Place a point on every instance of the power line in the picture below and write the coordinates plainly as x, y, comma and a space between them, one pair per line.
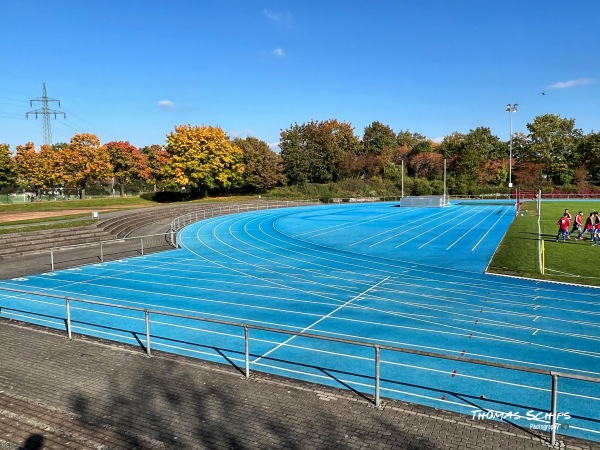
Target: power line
45, 112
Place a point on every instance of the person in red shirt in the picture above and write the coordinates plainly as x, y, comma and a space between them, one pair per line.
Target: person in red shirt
563, 227
577, 224
589, 225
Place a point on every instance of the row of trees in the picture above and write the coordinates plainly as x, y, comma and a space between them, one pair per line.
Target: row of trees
553, 152
195, 157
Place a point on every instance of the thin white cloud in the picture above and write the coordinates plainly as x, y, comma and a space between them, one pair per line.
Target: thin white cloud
279, 52
279, 18
168, 104
571, 83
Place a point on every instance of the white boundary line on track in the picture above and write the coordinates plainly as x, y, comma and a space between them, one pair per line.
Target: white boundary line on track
473, 228
322, 318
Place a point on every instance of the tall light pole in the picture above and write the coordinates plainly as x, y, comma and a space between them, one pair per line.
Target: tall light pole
510, 109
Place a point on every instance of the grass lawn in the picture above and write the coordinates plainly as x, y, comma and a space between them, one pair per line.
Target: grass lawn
93, 203
575, 261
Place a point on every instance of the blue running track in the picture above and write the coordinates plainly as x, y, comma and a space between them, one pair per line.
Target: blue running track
377, 273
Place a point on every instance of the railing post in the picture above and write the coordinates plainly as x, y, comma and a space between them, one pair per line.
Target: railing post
68, 306
147, 320
377, 369
52, 259
246, 352
553, 409
142, 244
102, 251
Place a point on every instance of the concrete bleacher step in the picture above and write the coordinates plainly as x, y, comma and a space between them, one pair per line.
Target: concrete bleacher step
18, 244
124, 225
114, 226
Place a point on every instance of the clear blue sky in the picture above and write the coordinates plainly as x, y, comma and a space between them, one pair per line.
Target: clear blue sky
134, 69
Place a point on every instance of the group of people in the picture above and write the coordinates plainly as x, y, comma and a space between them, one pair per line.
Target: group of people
592, 226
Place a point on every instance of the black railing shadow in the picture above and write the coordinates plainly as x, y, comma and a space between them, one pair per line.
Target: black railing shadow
335, 375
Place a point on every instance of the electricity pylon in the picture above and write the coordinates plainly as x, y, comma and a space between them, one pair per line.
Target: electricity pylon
45, 112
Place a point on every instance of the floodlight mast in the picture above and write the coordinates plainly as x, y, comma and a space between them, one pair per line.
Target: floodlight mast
45, 112
510, 109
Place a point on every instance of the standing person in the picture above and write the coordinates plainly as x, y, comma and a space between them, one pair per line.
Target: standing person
596, 235
568, 214
577, 224
589, 226
563, 227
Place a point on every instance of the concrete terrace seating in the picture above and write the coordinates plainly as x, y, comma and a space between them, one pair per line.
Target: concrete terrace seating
112, 226
125, 224
116, 225
31, 242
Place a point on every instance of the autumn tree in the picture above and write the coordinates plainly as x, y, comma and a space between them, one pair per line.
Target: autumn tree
203, 158
52, 163
361, 165
86, 161
157, 157
128, 162
7, 172
263, 168
427, 165
28, 169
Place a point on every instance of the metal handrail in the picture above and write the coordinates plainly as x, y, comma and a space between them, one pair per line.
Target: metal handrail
106, 242
377, 347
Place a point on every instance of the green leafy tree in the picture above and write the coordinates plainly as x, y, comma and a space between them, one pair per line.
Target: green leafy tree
203, 158
405, 138
329, 142
470, 155
295, 155
589, 157
263, 168
317, 151
553, 142
377, 137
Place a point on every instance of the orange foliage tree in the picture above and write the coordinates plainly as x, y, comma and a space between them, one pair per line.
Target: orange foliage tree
202, 157
128, 162
86, 161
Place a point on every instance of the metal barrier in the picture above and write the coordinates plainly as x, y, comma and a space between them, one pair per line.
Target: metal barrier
102, 244
377, 348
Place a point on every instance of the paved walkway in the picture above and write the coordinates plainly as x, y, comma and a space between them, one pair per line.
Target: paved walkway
57, 393
86, 393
